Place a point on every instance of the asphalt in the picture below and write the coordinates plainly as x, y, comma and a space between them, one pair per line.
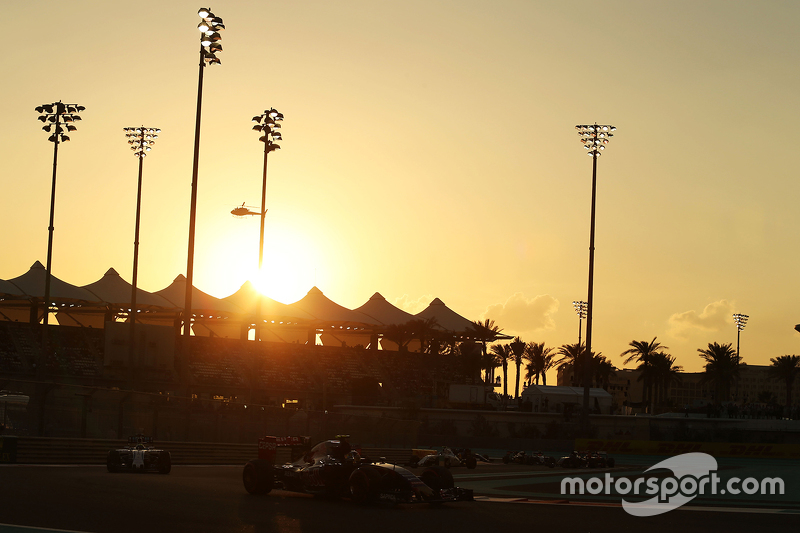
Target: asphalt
508, 497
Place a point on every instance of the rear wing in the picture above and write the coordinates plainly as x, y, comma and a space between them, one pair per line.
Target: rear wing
268, 446
139, 439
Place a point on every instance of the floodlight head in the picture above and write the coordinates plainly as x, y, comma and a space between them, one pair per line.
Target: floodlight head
204, 12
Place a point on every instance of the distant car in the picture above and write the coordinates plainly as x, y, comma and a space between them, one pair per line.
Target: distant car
599, 460
332, 469
139, 456
573, 460
448, 459
518, 457
544, 460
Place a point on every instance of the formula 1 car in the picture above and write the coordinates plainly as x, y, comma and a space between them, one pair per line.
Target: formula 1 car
573, 460
332, 469
599, 460
519, 457
139, 456
544, 460
448, 459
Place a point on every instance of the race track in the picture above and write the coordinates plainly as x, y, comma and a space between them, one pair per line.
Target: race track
212, 499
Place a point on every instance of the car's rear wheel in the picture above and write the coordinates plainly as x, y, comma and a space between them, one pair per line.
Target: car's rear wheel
471, 462
257, 476
113, 461
364, 485
164, 463
437, 478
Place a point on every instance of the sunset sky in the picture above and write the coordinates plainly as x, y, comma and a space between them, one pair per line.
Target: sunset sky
429, 151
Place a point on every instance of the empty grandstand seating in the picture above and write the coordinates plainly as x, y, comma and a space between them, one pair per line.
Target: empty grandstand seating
292, 370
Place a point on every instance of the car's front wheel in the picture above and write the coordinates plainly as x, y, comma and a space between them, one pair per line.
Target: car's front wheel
164, 463
364, 485
113, 461
257, 476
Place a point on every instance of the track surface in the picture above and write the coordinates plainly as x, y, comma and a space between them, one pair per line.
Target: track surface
212, 499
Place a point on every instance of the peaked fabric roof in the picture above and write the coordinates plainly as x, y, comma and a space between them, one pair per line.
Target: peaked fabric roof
202, 303
247, 299
111, 288
325, 310
446, 318
32, 284
383, 312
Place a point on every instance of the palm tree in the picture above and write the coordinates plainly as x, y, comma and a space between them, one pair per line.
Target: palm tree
399, 334
602, 370
722, 367
642, 352
425, 330
540, 359
484, 332
664, 373
503, 354
517, 349
786, 368
572, 360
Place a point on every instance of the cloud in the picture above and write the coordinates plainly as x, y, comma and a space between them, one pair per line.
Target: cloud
715, 317
409, 305
522, 314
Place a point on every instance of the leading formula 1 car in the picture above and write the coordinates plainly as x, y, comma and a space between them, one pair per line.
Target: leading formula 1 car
332, 468
139, 456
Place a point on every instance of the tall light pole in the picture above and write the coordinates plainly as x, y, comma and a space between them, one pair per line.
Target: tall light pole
267, 125
580, 308
594, 138
209, 27
59, 119
741, 321
141, 140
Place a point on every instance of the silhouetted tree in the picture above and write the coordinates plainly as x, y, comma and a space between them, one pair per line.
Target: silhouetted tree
721, 368
486, 332
517, 349
503, 354
642, 352
785, 368
540, 360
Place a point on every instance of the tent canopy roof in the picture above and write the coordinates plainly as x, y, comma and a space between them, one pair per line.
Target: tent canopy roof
202, 303
247, 299
446, 318
111, 288
32, 284
383, 312
326, 311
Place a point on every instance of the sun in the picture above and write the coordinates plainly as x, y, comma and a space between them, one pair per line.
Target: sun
289, 266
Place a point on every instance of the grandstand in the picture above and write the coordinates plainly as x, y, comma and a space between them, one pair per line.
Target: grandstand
81, 380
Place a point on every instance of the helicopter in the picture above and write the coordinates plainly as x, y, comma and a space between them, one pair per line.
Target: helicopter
244, 210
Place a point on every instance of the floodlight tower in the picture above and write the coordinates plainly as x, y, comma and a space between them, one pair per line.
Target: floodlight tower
141, 140
267, 125
59, 119
580, 308
594, 138
209, 27
741, 321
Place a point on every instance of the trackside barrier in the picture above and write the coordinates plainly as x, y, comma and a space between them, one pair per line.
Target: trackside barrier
716, 449
51, 450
